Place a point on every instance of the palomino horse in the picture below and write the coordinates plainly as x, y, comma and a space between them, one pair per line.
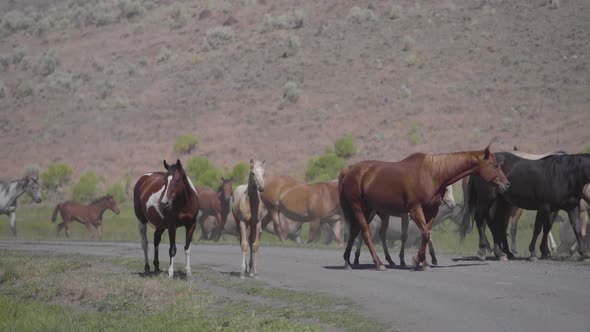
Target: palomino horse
415, 185
89, 215
546, 185
166, 200
247, 211
301, 202
448, 199
215, 203
11, 191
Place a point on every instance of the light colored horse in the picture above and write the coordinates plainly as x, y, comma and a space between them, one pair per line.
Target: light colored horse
11, 191
566, 234
247, 210
301, 202
376, 226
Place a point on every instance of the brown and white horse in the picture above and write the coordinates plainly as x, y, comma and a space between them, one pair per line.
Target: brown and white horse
247, 210
215, 203
415, 185
166, 200
89, 215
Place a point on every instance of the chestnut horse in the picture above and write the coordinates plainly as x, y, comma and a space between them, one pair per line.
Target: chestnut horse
89, 215
301, 202
415, 185
166, 200
247, 211
214, 203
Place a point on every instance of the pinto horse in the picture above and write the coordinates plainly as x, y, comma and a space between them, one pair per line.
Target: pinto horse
301, 202
247, 211
89, 215
414, 185
215, 203
383, 226
166, 200
547, 185
11, 191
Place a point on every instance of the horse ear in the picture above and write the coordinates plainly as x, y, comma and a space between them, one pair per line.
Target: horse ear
166, 164
231, 178
251, 162
222, 178
178, 164
515, 148
486, 153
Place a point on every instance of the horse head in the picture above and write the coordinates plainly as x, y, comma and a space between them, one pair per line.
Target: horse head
225, 190
32, 188
257, 172
112, 204
175, 192
489, 170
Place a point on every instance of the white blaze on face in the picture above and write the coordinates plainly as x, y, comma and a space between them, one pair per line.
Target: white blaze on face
165, 198
153, 202
258, 171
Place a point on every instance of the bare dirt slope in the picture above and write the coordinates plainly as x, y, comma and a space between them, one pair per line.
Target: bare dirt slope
456, 296
441, 76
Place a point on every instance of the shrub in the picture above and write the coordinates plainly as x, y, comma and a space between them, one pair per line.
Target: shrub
103, 13
324, 168
18, 56
408, 43
413, 134
56, 176
130, 8
359, 15
291, 94
395, 12
118, 193
218, 36
105, 89
4, 62
22, 90
240, 173
16, 20
32, 170
85, 189
2, 90
299, 18
405, 92
202, 171
210, 178
179, 16
47, 64
411, 60
60, 81
270, 23
185, 143
292, 46
164, 55
345, 147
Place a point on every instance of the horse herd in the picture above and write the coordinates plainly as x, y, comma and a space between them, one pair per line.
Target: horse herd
497, 186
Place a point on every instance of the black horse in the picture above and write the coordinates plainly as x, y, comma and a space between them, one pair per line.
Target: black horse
546, 185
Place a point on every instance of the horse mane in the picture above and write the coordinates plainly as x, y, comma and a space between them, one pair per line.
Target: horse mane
445, 162
568, 167
100, 199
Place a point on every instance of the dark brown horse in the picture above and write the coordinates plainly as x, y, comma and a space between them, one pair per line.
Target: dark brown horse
89, 215
215, 203
166, 200
415, 185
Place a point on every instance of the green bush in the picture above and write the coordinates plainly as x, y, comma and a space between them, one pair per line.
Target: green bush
118, 192
240, 173
2, 90
185, 143
210, 178
345, 147
324, 168
32, 170
587, 150
56, 176
218, 36
47, 64
85, 189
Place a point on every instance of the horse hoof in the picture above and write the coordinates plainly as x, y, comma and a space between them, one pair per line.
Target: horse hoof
482, 258
402, 264
242, 276
434, 262
533, 259
157, 270
381, 268
251, 274
347, 266
356, 262
503, 258
416, 261
146, 269
425, 267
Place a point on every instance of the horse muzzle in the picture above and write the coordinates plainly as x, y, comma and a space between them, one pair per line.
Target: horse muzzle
502, 185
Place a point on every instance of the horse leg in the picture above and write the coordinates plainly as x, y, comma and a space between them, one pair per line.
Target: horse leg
542, 215
357, 252
89, 228
254, 245
223, 218
99, 231
172, 250
484, 245
383, 237
337, 230
513, 228
187, 247
583, 220
574, 215
354, 232
432, 253
202, 226
12, 219
276, 222
144, 245
500, 227
67, 225
418, 215
157, 239
244, 245
402, 251
314, 229
544, 246
60, 226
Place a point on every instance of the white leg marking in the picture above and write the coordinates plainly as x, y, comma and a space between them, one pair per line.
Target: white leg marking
188, 261
551, 243
12, 218
171, 268
144, 241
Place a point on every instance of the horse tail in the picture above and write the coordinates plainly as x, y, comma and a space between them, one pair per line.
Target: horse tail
467, 210
344, 205
54, 214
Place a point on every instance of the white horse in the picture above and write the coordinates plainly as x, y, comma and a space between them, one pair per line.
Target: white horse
247, 210
11, 191
377, 226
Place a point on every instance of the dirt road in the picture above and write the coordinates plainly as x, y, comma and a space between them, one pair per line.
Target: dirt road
459, 295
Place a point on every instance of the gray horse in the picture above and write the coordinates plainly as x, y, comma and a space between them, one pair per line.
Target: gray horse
11, 191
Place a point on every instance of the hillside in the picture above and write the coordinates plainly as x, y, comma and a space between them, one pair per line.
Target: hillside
107, 85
